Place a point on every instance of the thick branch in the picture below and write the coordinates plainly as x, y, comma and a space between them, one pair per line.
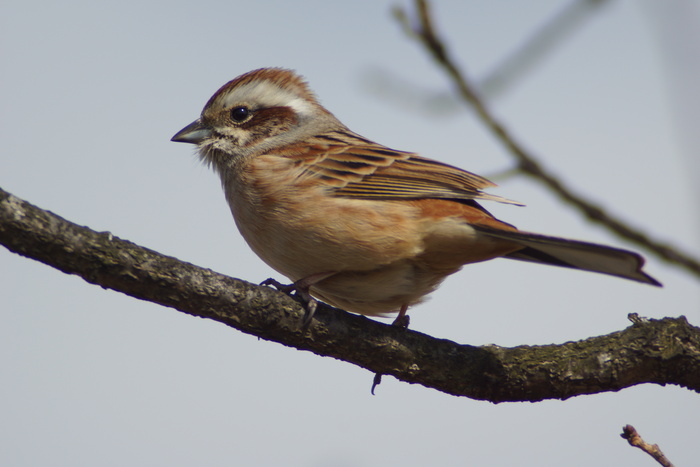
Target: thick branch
658, 351
528, 164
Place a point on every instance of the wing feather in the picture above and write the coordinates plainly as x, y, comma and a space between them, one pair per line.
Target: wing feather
358, 168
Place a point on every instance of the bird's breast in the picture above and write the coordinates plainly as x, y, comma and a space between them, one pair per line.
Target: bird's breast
304, 230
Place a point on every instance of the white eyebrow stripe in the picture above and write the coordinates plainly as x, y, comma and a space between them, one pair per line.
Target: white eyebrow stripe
268, 95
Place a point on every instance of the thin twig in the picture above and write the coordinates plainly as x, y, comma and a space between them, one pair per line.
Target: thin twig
535, 48
630, 434
525, 56
424, 31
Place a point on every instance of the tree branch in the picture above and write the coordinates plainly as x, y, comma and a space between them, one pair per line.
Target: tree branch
663, 351
425, 33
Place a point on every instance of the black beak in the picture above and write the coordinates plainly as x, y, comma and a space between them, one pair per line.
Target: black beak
194, 133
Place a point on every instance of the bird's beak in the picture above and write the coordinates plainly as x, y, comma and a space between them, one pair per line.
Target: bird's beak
194, 133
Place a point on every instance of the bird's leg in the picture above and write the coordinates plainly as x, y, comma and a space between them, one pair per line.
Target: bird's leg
402, 321
301, 287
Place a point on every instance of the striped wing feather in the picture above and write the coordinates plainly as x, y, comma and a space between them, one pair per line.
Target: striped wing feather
359, 168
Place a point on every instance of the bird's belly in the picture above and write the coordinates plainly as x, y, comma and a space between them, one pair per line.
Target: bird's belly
381, 291
446, 245
330, 235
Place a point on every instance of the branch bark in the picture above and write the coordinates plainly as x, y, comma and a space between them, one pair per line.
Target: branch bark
663, 351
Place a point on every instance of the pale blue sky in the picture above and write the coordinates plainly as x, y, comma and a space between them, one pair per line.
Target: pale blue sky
91, 94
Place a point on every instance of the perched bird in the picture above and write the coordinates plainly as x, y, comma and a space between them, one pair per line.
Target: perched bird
356, 224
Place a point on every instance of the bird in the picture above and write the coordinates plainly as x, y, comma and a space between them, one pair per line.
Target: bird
351, 222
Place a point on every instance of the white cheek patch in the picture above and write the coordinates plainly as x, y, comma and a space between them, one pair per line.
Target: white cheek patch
238, 135
267, 95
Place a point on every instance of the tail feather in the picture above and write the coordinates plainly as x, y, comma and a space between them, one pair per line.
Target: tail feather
574, 254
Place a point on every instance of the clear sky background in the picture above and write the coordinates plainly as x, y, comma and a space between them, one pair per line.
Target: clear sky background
90, 95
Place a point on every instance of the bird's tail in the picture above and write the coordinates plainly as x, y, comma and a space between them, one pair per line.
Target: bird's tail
574, 254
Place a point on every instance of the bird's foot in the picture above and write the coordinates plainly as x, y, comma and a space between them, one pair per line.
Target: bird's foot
301, 289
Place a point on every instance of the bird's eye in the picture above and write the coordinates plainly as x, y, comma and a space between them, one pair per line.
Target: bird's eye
240, 113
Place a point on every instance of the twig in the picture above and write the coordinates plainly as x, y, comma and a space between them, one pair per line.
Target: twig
529, 52
630, 434
528, 164
534, 49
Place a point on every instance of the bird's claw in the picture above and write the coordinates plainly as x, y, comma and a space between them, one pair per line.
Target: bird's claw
310, 303
376, 381
402, 321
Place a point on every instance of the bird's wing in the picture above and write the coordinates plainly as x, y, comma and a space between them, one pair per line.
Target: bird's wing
358, 168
